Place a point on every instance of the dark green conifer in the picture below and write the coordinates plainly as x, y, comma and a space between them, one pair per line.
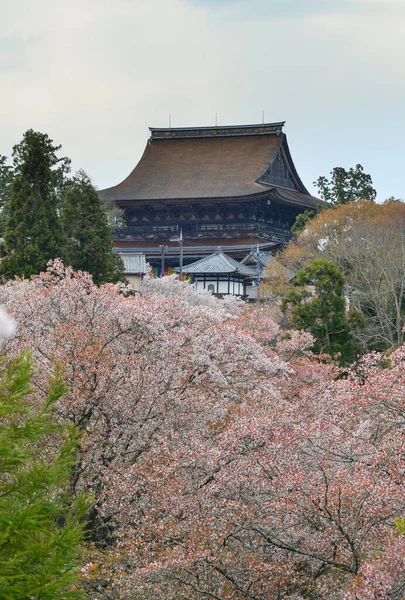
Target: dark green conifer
301, 221
318, 306
87, 232
346, 186
32, 233
6, 179
41, 524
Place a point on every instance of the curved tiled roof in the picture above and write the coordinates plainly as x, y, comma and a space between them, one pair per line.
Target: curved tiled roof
198, 168
202, 164
134, 262
218, 263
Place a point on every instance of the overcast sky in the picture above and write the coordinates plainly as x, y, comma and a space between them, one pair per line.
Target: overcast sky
94, 74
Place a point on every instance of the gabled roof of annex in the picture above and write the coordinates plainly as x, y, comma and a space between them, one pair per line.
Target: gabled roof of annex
218, 263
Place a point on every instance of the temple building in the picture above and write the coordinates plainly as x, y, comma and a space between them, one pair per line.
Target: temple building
197, 189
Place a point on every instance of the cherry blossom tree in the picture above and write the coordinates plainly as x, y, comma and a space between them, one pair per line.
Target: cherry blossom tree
170, 286
139, 368
227, 462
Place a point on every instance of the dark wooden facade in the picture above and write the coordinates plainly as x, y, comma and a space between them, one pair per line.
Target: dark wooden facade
229, 186
231, 220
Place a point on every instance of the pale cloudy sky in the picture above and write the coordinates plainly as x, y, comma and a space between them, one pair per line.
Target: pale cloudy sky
94, 74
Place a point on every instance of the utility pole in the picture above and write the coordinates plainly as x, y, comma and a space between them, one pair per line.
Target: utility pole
258, 271
180, 240
162, 262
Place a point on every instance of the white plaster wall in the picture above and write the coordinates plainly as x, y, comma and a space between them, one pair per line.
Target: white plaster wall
223, 287
134, 282
235, 287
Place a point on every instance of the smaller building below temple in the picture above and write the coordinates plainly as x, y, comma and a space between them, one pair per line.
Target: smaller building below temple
135, 268
221, 275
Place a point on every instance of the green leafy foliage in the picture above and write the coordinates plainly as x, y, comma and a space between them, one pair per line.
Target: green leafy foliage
41, 524
318, 306
6, 179
301, 221
87, 232
345, 186
32, 232
400, 525
115, 215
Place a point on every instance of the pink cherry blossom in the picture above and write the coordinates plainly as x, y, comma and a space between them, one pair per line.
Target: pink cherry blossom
226, 461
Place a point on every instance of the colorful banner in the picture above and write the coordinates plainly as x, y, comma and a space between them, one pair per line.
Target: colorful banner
157, 272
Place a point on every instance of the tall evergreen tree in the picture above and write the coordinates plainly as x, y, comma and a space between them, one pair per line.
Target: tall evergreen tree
318, 306
6, 179
32, 232
87, 232
301, 221
41, 525
346, 186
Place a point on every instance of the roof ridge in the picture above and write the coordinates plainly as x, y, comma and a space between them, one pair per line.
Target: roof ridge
157, 133
229, 265
230, 261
